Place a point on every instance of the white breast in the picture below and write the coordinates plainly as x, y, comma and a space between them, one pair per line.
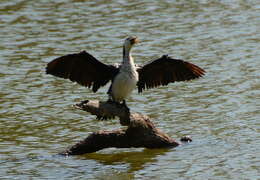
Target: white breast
123, 84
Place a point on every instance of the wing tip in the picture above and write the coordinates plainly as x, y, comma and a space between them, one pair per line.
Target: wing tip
197, 71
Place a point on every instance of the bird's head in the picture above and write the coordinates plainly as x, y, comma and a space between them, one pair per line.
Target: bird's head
130, 41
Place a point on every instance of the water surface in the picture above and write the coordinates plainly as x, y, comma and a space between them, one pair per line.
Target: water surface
220, 111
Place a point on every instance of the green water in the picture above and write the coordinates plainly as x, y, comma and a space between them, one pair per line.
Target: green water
219, 111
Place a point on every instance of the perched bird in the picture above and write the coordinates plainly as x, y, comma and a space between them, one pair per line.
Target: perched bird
86, 70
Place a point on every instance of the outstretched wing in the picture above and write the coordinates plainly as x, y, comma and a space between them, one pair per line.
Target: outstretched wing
165, 70
82, 68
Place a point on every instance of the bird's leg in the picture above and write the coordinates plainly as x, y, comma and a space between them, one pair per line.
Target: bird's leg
110, 99
125, 106
124, 103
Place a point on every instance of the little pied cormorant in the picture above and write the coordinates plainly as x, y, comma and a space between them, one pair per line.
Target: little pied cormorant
86, 70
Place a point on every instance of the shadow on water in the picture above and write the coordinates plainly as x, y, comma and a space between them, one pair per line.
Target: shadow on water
135, 159
106, 164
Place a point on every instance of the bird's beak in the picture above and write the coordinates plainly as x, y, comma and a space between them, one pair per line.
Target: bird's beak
135, 40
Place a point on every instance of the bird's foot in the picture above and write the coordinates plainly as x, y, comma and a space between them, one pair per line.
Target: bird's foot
124, 103
118, 104
110, 101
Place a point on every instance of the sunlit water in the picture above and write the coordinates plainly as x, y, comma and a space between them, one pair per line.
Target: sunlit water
220, 111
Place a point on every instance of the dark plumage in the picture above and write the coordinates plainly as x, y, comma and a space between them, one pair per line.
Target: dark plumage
165, 70
82, 68
86, 70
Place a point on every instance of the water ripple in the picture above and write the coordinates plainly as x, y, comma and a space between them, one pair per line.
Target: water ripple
220, 111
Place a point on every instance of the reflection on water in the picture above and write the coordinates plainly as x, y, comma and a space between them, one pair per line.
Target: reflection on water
135, 159
220, 111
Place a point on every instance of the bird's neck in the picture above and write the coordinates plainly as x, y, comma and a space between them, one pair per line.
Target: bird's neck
127, 57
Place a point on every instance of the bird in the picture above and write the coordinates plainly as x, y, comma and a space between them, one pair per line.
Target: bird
87, 71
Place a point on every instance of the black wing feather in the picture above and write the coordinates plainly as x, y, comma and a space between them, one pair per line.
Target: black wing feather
82, 68
166, 70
